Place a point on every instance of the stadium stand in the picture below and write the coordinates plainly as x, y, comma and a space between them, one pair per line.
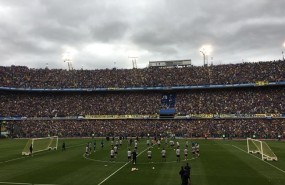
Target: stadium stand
223, 101
238, 128
238, 111
21, 76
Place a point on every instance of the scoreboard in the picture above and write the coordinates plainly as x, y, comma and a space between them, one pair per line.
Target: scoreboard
170, 63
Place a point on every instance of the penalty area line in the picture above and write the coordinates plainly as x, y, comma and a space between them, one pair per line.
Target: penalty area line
119, 169
260, 159
12, 160
16, 183
24, 183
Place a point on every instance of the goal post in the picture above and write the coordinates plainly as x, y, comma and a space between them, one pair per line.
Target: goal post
262, 148
41, 144
254, 146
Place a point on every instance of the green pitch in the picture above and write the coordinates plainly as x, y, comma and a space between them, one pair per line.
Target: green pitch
221, 162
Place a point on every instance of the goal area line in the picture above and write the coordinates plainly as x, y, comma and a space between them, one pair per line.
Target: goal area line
259, 159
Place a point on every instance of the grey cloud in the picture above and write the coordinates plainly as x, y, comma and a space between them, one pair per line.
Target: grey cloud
109, 31
166, 29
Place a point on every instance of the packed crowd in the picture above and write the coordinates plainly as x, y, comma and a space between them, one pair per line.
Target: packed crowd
75, 104
233, 101
222, 101
239, 128
21, 76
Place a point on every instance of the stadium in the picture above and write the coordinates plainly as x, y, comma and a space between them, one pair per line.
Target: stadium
73, 118
144, 92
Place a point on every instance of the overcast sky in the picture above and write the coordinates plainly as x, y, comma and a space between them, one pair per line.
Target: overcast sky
104, 33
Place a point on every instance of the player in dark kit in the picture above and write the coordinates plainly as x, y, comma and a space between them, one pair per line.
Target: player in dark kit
94, 145
102, 144
131, 142
185, 178
181, 173
187, 169
134, 155
63, 146
31, 149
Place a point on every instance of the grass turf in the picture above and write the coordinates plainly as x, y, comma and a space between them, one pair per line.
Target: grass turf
221, 162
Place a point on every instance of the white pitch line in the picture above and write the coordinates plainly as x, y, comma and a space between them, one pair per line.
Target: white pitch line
24, 183
260, 159
16, 183
12, 160
119, 169
113, 173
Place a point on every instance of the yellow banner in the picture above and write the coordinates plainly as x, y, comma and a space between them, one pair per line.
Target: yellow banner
118, 116
202, 115
274, 115
260, 115
261, 83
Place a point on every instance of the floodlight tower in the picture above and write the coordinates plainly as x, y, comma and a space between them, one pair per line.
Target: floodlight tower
134, 61
206, 51
204, 57
116, 71
67, 58
283, 51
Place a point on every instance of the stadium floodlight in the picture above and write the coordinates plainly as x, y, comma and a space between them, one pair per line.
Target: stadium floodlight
204, 57
67, 57
134, 61
283, 51
206, 50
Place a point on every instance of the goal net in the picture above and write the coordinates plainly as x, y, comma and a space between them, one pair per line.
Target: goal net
260, 147
41, 144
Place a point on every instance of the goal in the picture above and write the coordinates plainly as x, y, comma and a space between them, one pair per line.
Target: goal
41, 144
260, 147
